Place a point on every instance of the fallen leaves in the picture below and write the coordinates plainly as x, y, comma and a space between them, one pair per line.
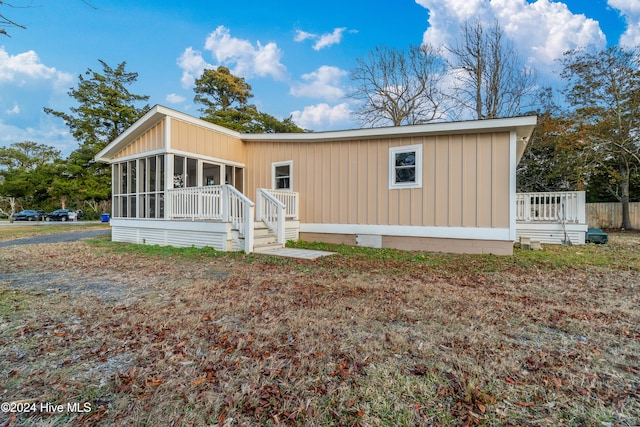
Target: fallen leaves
296, 342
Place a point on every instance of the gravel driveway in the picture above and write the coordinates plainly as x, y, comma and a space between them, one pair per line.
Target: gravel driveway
71, 236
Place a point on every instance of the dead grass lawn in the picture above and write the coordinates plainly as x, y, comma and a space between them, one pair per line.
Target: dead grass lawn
360, 338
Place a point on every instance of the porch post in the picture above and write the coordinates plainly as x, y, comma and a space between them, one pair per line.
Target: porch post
280, 224
168, 185
581, 208
258, 205
225, 203
248, 228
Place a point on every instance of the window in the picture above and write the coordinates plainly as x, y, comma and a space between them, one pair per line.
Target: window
178, 172
405, 167
233, 175
138, 188
282, 175
210, 174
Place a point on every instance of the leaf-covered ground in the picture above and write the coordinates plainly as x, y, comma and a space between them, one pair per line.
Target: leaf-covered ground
154, 336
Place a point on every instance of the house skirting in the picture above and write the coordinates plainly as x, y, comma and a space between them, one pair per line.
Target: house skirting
552, 232
452, 240
199, 234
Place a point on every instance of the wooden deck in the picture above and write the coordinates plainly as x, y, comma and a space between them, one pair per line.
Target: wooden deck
553, 217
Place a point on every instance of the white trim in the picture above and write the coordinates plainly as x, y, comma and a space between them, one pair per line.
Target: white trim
162, 224
524, 124
167, 133
417, 148
471, 233
274, 165
197, 156
513, 162
137, 156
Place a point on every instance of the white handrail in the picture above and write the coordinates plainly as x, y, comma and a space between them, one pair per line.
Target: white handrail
239, 212
270, 211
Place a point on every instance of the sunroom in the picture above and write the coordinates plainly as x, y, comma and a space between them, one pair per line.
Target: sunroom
179, 181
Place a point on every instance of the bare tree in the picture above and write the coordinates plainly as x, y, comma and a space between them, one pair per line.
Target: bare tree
604, 89
7, 22
491, 79
399, 87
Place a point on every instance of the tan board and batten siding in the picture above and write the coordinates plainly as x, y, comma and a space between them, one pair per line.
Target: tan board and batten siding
190, 138
466, 181
151, 140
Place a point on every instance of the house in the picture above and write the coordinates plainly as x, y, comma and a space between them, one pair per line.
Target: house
445, 187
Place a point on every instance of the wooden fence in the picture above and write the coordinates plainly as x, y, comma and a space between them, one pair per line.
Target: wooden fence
609, 215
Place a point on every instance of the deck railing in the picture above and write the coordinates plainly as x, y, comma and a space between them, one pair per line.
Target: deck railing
559, 206
270, 211
213, 202
195, 202
290, 201
238, 210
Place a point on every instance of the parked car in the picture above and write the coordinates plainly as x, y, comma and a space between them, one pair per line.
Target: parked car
62, 215
596, 235
29, 215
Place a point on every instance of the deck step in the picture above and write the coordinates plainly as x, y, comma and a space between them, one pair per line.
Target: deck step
260, 247
264, 239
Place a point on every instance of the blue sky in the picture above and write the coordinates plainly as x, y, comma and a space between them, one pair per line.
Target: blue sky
296, 55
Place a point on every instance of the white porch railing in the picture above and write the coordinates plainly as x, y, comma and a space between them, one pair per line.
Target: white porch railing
195, 202
551, 207
239, 211
213, 202
290, 201
270, 211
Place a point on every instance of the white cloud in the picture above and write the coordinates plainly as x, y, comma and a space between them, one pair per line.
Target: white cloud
14, 110
630, 9
327, 40
322, 40
541, 31
245, 59
192, 64
25, 68
303, 35
49, 132
173, 98
323, 117
324, 83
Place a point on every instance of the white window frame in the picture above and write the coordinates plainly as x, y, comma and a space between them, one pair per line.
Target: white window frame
417, 148
273, 175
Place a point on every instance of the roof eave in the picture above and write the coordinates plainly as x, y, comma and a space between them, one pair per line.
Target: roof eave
522, 125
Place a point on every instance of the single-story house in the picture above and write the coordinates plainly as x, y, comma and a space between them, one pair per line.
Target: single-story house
445, 187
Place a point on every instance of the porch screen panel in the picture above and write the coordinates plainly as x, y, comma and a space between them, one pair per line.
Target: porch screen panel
138, 188
132, 175
210, 174
228, 174
238, 181
192, 173
152, 174
144, 185
178, 172
123, 178
160, 181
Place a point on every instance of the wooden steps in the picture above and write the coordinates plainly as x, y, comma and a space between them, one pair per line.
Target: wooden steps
264, 239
